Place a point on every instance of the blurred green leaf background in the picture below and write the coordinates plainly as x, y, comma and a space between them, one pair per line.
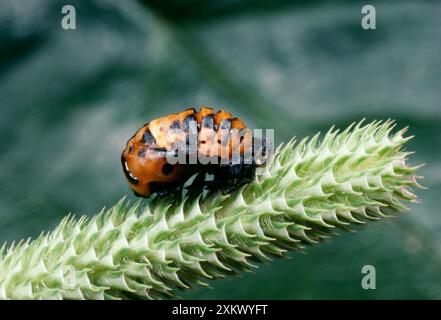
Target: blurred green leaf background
70, 99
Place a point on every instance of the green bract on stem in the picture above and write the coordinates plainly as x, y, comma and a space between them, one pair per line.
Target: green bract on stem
150, 248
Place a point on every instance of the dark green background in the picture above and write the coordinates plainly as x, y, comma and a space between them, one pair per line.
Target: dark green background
69, 100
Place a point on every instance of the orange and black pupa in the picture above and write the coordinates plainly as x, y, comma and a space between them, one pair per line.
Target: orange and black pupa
145, 158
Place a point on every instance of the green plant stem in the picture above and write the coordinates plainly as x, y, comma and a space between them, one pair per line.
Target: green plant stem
307, 192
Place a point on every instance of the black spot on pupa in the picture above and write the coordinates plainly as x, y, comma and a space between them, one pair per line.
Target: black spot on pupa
175, 125
141, 153
148, 138
130, 149
226, 124
191, 109
224, 140
208, 121
161, 150
187, 121
167, 169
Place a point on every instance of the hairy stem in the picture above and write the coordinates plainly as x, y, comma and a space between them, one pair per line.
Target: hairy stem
148, 249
